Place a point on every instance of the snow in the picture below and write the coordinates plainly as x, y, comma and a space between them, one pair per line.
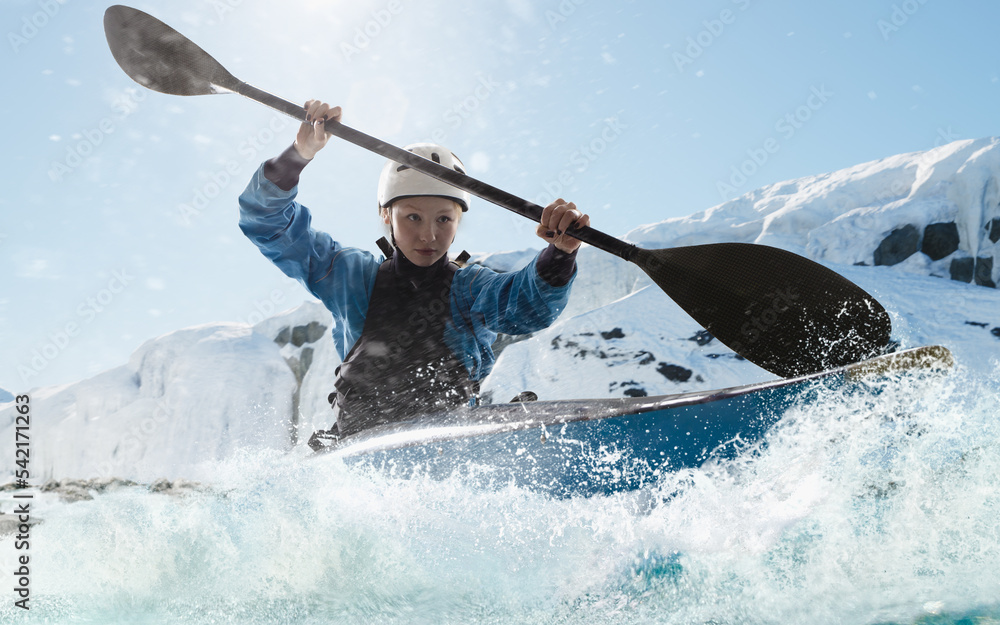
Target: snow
199, 394
841, 217
192, 395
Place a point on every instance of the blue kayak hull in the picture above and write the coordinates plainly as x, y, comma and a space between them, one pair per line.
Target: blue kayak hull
601, 446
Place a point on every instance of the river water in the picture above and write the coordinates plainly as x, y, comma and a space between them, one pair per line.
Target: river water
866, 506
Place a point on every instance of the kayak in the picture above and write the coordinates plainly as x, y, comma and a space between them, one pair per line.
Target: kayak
601, 446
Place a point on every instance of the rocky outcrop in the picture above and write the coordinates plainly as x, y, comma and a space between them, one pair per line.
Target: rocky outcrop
300, 335
940, 240
977, 270
963, 269
674, 373
898, 246
297, 349
984, 272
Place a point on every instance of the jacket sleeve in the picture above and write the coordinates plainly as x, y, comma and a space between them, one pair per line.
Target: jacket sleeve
341, 277
517, 302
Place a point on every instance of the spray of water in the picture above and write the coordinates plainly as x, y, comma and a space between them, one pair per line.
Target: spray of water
871, 504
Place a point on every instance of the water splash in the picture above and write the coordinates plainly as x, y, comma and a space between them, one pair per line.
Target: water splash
871, 505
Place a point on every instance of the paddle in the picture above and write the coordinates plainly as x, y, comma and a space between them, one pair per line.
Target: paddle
781, 311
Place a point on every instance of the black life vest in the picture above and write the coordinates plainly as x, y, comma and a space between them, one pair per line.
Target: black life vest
400, 366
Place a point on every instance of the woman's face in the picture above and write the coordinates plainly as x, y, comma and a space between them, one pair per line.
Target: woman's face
424, 227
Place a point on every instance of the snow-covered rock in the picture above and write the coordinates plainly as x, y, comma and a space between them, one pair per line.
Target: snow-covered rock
842, 217
304, 338
190, 396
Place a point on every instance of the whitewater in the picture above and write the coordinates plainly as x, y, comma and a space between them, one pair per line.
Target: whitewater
872, 504
870, 507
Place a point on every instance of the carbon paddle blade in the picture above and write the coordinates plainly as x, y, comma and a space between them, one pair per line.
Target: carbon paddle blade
785, 313
159, 58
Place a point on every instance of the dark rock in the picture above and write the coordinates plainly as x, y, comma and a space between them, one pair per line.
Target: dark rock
107, 484
898, 246
176, 487
978, 324
995, 230
702, 337
940, 240
962, 269
647, 358
296, 366
995, 332
614, 334
633, 390
726, 355
674, 373
161, 485
283, 337
308, 333
70, 490
524, 396
11, 524
315, 331
984, 272
307, 359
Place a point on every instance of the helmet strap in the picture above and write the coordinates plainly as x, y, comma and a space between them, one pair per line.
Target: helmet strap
387, 249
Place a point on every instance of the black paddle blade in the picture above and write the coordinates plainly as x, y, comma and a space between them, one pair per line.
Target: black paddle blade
782, 312
159, 58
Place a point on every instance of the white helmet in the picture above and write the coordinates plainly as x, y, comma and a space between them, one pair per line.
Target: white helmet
400, 181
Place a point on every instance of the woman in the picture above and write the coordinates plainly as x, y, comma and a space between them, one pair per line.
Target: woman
414, 331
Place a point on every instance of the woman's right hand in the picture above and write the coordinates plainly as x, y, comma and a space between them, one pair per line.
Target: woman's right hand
312, 135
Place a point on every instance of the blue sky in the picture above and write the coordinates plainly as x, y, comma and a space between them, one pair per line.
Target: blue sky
119, 213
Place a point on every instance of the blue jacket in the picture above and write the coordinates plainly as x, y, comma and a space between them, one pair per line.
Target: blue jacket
483, 302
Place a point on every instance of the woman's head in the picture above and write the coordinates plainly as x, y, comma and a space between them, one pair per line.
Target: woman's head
422, 212
423, 227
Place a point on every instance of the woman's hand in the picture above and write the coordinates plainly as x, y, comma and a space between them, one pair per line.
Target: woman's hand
312, 135
557, 218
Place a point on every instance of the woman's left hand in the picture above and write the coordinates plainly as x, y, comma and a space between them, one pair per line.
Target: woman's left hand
557, 218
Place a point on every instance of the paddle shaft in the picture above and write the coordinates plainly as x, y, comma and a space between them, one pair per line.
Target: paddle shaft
457, 179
